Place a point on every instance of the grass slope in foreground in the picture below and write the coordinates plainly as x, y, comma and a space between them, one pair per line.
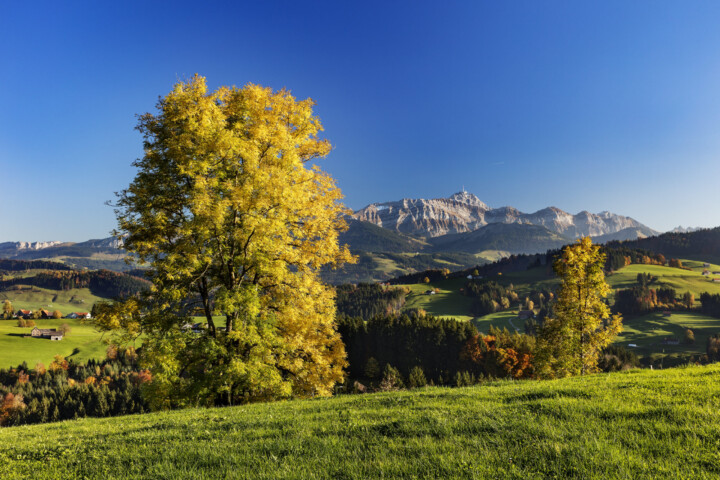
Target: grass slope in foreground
636, 424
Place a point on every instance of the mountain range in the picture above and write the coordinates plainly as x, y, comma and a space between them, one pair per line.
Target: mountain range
464, 212
395, 238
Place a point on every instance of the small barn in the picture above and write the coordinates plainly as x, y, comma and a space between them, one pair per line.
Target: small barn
51, 333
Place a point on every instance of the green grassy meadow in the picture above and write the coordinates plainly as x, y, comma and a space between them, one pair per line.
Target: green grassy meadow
15, 349
28, 297
448, 302
647, 332
681, 280
639, 424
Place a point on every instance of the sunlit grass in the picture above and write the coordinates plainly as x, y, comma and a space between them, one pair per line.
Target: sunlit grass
639, 424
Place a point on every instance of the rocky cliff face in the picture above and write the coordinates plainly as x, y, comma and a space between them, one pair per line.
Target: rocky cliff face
464, 212
27, 245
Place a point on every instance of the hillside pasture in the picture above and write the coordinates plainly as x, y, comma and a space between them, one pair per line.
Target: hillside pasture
503, 319
15, 348
639, 424
680, 279
448, 302
30, 297
649, 332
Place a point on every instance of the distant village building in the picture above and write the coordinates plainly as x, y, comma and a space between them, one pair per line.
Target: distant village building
78, 315
45, 314
26, 314
50, 333
194, 327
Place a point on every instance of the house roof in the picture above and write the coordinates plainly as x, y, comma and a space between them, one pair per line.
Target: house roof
48, 331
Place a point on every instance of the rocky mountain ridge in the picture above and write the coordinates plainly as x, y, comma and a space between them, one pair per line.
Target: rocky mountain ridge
15, 246
464, 212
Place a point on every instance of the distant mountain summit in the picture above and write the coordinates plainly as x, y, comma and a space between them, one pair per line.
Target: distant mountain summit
464, 212
681, 229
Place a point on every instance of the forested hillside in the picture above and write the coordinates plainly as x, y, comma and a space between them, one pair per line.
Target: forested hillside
698, 245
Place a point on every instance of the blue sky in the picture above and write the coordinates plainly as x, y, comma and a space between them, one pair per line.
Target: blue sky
581, 105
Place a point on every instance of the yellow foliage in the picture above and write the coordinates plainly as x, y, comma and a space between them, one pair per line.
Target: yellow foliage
571, 341
228, 208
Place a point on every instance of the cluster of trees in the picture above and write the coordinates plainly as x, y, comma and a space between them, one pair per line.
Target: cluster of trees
7, 265
703, 243
426, 276
619, 256
489, 296
713, 348
103, 283
499, 354
368, 300
641, 298
710, 304
67, 390
414, 349
404, 342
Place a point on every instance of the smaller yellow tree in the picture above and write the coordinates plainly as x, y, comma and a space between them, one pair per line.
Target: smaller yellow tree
570, 342
7, 310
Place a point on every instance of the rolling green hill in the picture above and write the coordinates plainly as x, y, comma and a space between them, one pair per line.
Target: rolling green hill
368, 237
81, 344
55, 287
703, 245
509, 237
637, 424
647, 332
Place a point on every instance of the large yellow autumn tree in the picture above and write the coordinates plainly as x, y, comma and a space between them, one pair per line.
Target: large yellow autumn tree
235, 222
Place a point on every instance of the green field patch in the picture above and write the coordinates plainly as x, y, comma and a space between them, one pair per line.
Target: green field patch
447, 302
650, 331
15, 348
504, 319
680, 279
28, 297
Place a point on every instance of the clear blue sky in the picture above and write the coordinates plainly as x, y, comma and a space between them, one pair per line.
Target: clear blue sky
581, 105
